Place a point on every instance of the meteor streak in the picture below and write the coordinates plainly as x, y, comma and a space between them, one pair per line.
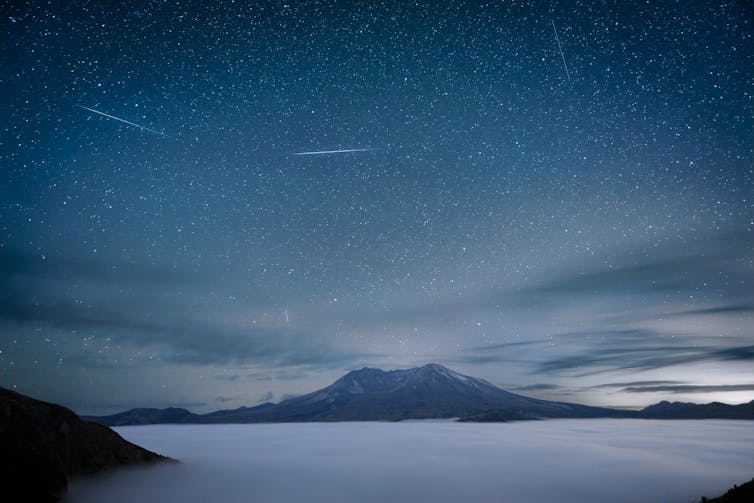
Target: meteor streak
323, 152
560, 49
122, 120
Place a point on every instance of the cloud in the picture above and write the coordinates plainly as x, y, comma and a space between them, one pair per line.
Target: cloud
625, 286
267, 397
538, 387
606, 289
690, 388
614, 336
675, 272
506, 345
228, 377
588, 352
484, 359
635, 383
723, 309
278, 375
596, 351
626, 461
599, 359
23, 267
179, 334
675, 268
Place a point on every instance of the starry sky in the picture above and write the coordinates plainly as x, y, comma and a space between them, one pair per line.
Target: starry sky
555, 196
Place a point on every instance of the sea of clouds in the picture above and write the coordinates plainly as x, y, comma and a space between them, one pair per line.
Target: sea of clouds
535, 461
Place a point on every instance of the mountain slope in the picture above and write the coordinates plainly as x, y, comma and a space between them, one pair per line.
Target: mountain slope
44, 444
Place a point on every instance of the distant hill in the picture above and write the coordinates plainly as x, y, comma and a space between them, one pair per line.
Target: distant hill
738, 494
428, 392
42, 445
174, 415
171, 415
685, 410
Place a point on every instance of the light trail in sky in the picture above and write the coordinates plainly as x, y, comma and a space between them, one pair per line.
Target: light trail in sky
561, 50
324, 152
123, 120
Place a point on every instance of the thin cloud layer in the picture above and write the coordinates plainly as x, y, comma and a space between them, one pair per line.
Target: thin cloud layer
643, 358
180, 335
620, 325
710, 388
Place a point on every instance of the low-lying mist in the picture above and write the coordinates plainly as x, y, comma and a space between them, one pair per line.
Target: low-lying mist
536, 461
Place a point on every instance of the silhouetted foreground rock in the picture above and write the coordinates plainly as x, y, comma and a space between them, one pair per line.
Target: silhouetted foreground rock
739, 494
42, 445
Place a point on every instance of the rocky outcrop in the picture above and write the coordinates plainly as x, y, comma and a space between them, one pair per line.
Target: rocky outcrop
738, 494
42, 445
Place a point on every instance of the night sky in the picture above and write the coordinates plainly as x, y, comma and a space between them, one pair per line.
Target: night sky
574, 225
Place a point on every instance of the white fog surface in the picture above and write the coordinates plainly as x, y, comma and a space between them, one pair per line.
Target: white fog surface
534, 461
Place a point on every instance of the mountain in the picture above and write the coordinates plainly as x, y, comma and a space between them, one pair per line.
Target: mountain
685, 410
222, 416
428, 392
171, 415
369, 394
174, 415
43, 445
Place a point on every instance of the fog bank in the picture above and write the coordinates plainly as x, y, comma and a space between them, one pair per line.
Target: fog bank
534, 461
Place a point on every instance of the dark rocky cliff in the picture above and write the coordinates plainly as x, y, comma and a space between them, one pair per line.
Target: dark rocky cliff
42, 445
